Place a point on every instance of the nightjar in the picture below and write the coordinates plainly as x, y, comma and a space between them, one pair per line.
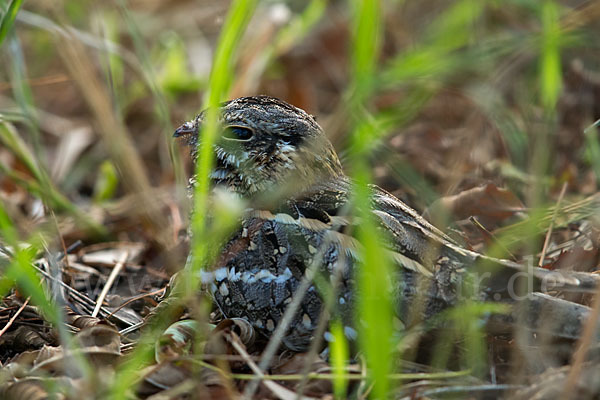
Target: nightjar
277, 157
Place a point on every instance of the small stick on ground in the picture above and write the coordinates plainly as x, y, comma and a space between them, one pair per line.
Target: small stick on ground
111, 279
135, 298
14, 317
278, 390
589, 334
549, 233
490, 236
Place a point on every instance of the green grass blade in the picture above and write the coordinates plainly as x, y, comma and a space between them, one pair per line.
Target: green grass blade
8, 18
550, 65
300, 26
339, 359
375, 309
592, 148
42, 186
220, 81
366, 43
19, 269
222, 72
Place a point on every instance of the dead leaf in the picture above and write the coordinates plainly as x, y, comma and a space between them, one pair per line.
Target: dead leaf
489, 203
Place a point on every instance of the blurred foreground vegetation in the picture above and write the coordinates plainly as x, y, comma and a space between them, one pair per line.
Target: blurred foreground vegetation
428, 99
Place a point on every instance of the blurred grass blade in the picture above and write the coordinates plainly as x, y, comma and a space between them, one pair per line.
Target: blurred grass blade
175, 76
467, 325
437, 56
375, 310
550, 65
40, 22
339, 359
146, 67
19, 269
8, 18
44, 188
592, 148
366, 22
239, 13
454, 28
112, 64
24, 97
106, 185
221, 78
150, 77
300, 26
375, 285
259, 58
11, 139
116, 137
7, 228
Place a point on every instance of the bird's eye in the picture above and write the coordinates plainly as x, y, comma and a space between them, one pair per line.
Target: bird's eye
237, 133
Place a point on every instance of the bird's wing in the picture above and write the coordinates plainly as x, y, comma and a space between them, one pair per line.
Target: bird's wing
409, 234
414, 243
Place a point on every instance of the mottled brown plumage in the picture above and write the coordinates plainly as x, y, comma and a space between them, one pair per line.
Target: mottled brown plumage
267, 142
270, 149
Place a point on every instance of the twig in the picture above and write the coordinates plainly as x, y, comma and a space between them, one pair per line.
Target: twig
131, 328
201, 360
328, 304
584, 344
14, 317
83, 299
278, 390
131, 300
60, 237
354, 377
490, 235
551, 227
285, 321
76, 244
111, 278
464, 391
176, 218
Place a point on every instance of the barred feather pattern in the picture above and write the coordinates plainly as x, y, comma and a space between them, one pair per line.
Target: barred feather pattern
289, 158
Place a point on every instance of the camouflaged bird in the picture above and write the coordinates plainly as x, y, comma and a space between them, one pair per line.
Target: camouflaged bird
269, 149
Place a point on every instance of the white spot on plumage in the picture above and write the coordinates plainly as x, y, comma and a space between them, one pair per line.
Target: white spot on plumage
287, 274
248, 277
232, 160
219, 174
270, 325
234, 276
287, 149
206, 276
220, 274
265, 276
223, 289
350, 333
306, 321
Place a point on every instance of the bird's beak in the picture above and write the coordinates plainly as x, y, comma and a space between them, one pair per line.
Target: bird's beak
188, 128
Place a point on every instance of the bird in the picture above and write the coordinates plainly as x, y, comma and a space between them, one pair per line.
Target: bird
277, 157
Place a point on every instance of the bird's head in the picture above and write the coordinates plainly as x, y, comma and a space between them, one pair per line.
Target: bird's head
265, 143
